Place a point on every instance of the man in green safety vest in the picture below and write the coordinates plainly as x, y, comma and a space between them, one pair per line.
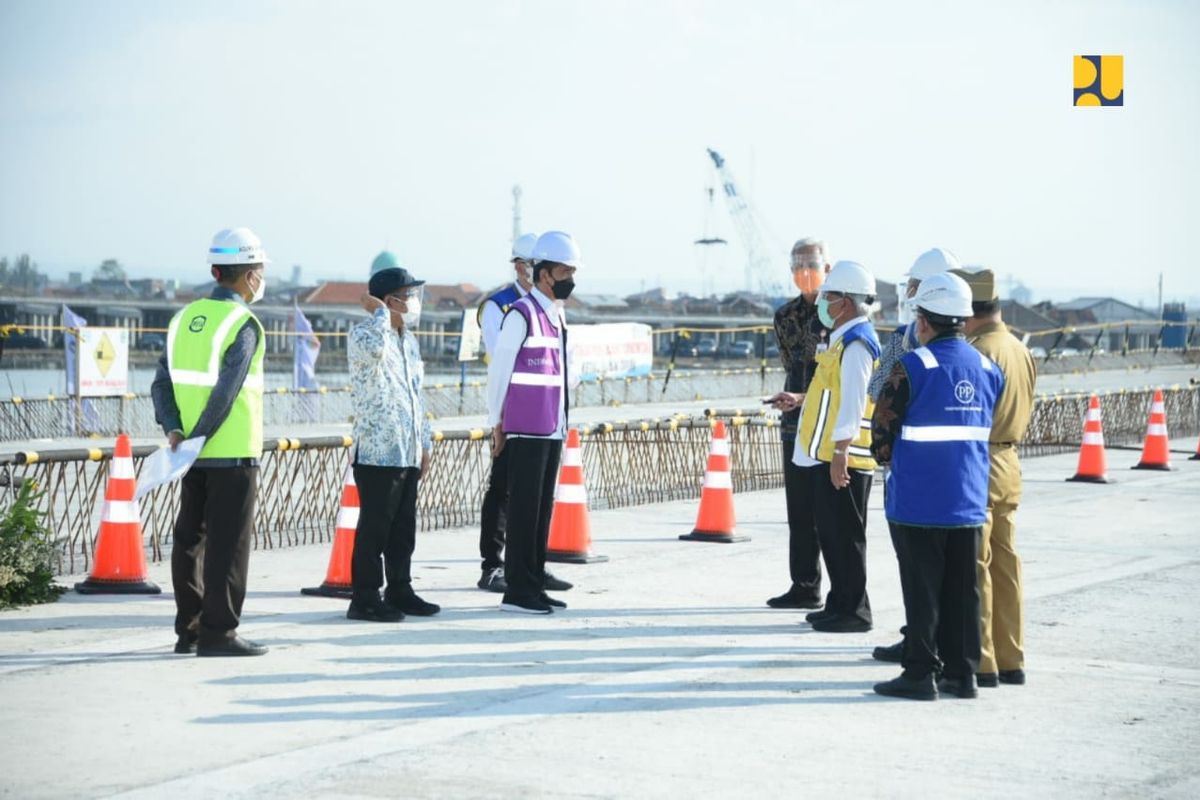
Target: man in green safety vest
210, 383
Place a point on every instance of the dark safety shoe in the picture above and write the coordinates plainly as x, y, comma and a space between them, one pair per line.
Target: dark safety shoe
824, 613
1013, 677
493, 581
910, 688
186, 644
374, 612
892, 654
237, 646
550, 601
795, 599
988, 680
519, 605
553, 584
412, 605
840, 624
963, 687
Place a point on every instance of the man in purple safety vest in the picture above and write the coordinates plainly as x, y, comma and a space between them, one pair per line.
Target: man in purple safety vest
527, 409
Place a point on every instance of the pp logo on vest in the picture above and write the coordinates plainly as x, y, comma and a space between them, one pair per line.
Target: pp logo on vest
197, 324
964, 392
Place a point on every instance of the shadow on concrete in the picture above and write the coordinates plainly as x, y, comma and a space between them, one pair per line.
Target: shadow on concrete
550, 699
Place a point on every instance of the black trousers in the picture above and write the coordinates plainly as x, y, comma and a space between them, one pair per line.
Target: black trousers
804, 548
941, 598
210, 550
387, 526
532, 473
493, 519
841, 516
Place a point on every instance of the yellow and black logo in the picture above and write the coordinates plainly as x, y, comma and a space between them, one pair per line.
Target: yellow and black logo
1099, 80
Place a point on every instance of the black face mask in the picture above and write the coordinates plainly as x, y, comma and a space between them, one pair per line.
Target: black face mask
562, 289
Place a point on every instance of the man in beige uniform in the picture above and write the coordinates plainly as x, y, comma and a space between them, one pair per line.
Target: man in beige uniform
1002, 654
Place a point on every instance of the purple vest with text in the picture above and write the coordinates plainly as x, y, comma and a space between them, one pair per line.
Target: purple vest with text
535, 390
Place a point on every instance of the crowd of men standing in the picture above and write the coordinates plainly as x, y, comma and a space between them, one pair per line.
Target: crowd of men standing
940, 406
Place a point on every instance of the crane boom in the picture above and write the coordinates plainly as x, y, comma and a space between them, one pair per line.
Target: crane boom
758, 261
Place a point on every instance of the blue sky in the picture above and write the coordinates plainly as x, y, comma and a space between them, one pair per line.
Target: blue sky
134, 130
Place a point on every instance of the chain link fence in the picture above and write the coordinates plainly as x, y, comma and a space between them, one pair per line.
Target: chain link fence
625, 464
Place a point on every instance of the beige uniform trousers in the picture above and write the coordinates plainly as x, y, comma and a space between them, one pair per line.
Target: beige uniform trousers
1000, 604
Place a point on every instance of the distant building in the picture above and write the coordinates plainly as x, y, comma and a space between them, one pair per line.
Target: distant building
1129, 325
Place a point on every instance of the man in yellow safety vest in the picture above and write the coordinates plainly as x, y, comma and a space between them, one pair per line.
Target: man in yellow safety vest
209, 383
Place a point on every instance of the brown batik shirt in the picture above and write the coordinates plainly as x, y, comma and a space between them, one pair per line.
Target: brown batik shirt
800, 334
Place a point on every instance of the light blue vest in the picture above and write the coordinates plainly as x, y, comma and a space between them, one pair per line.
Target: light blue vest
939, 475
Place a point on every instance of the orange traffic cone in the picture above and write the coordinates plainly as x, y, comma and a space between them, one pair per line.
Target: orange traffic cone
337, 576
714, 523
570, 532
119, 563
1093, 466
1196, 455
1155, 447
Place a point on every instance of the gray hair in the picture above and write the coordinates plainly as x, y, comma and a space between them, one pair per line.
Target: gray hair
814, 243
864, 305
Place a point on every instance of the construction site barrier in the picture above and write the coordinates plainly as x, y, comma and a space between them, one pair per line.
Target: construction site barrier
625, 463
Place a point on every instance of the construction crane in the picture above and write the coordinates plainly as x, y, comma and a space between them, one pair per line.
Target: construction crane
759, 271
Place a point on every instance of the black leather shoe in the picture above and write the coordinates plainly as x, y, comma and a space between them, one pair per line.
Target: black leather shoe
963, 687
892, 654
1014, 677
909, 688
237, 646
840, 624
373, 612
522, 605
185, 645
550, 601
793, 599
824, 613
988, 680
553, 584
412, 605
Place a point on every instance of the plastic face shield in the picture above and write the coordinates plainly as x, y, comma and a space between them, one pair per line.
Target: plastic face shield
808, 279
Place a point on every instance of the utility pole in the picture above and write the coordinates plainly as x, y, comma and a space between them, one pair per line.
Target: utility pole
516, 192
1160, 303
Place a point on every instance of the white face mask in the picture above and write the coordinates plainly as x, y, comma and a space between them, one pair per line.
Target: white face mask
412, 317
260, 291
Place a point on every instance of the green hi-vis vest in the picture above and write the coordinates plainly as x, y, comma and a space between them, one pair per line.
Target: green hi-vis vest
815, 432
197, 339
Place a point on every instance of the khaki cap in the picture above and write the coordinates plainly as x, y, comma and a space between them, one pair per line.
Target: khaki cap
982, 283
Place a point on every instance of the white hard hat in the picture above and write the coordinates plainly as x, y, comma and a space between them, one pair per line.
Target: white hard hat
944, 294
558, 247
931, 262
523, 247
237, 246
849, 277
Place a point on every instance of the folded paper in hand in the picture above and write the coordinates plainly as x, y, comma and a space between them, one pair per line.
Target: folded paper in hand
165, 465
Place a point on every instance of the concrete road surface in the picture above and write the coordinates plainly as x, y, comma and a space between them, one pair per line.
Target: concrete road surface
667, 677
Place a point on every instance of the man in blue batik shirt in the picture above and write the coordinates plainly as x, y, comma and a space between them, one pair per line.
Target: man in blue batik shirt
392, 444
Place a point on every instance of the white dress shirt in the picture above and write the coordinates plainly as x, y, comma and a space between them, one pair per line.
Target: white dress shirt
857, 366
512, 335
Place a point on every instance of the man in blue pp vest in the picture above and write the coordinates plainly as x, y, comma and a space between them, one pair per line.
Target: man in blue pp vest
932, 424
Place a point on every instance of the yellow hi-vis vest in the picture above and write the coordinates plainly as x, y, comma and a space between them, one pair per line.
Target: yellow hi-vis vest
197, 339
821, 403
